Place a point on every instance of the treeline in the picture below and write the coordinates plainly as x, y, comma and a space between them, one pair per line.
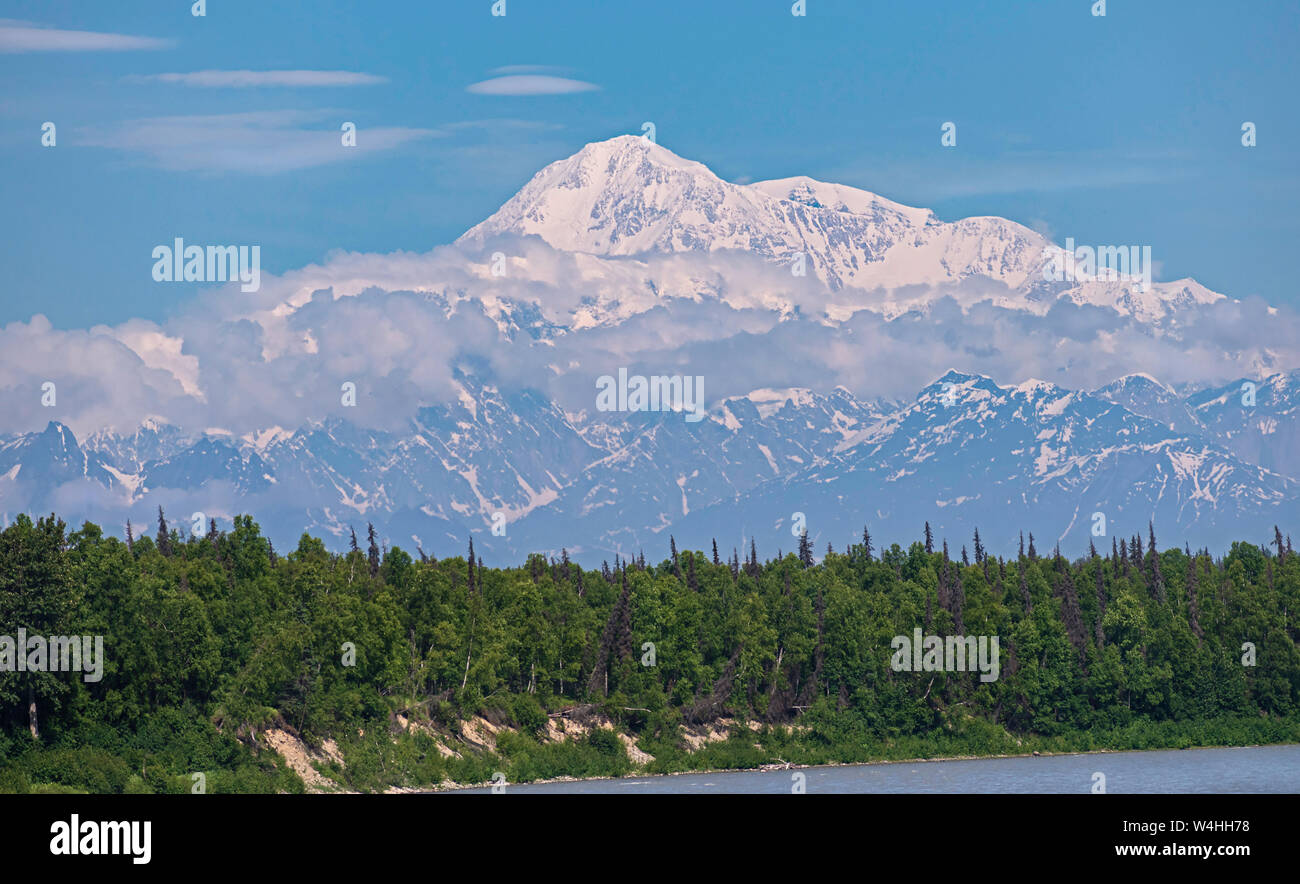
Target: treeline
209, 640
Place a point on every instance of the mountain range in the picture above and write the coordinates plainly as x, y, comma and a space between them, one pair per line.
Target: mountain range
966, 453
638, 230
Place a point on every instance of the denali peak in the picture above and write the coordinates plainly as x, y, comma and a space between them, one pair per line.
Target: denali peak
629, 197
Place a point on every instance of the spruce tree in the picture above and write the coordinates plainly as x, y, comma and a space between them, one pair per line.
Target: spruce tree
1153, 568
164, 539
1193, 604
1101, 598
373, 553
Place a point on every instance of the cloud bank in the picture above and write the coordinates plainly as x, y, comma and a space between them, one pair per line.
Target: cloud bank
400, 326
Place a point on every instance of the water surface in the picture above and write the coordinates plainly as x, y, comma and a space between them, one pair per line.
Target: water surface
1243, 770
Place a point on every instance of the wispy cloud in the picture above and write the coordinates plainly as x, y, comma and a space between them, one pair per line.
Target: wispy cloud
251, 79
256, 142
530, 69
22, 36
530, 84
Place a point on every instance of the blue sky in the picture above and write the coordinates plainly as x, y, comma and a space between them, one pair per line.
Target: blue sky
1123, 129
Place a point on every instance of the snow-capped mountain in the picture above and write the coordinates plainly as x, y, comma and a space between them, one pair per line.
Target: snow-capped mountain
969, 453
629, 196
965, 453
584, 266
1144, 395
1270, 433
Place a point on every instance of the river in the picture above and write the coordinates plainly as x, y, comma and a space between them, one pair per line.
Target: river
1242, 770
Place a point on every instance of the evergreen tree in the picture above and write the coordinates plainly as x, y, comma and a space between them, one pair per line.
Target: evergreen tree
164, 538
805, 549
372, 554
1154, 577
1101, 598
1193, 606
958, 595
208, 646
1071, 613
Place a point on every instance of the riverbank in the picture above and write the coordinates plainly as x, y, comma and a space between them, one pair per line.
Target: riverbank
479, 754
1239, 769
472, 787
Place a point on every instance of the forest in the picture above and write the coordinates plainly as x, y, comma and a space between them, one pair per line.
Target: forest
212, 640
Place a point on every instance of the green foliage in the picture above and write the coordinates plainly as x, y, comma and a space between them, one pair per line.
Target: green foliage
211, 640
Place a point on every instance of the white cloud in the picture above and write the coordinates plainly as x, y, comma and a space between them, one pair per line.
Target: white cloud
529, 69
398, 324
257, 142
19, 36
157, 350
249, 79
530, 84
